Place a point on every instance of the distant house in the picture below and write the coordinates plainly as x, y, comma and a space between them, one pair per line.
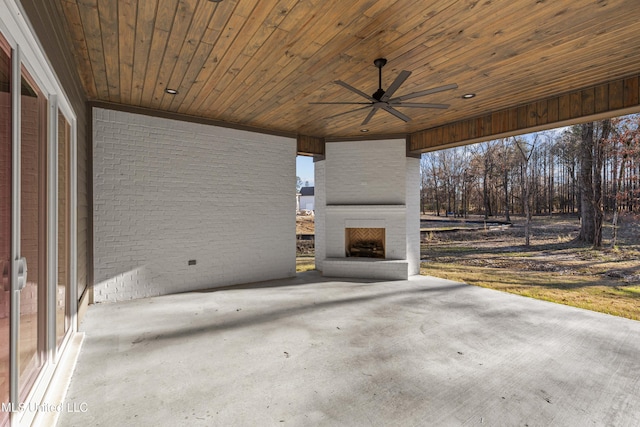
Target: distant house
307, 199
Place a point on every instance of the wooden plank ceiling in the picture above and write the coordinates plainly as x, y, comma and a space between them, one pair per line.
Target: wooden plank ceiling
260, 63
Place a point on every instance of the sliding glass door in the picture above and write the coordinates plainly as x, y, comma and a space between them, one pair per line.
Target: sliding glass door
38, 242
63, 303
33, 231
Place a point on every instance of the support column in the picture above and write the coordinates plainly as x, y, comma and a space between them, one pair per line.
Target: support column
320, 211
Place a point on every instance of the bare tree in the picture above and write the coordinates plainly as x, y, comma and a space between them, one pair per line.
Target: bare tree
598, 151
587, 218
579, 170
526, 150
436, 187
424, 182
591, 161
626, 141
568, 150
430, 191
616, 207
481, 165
506, 166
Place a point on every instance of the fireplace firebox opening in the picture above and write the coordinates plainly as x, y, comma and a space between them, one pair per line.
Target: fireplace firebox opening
365, 242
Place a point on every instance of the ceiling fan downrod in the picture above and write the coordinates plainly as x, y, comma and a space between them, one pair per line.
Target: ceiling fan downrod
380, 62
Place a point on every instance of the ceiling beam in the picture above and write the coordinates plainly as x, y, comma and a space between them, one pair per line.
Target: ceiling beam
610, 99
310, 145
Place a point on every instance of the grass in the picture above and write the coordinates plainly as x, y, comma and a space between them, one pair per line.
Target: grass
448, 249
555, 267
591, 292
305, 263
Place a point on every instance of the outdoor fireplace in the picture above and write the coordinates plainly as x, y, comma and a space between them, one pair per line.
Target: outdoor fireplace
367, 219
365, 242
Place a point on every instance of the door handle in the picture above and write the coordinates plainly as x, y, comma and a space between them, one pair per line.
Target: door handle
21, 272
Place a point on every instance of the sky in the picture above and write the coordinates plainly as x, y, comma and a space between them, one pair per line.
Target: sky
304, 168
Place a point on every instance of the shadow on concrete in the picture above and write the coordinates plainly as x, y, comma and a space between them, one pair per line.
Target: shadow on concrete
278, 314
301, 279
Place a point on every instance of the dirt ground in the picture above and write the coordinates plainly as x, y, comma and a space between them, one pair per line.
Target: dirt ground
553, 248
305, 248
305, 224
554, 267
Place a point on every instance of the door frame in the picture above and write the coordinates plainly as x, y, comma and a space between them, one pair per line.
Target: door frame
27, 52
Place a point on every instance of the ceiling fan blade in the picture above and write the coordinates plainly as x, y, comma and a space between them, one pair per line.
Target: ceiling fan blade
347, 112
369, 116
419, 105
354, 90
425, 92
404, 75
341, 103
397, 113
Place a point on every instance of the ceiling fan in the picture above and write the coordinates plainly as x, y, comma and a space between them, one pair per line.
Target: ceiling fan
382, 100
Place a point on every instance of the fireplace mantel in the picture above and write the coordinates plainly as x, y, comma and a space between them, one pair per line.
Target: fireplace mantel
342, 207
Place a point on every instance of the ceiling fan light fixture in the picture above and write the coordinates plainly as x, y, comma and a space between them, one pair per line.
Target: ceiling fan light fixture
468, 95
171, 91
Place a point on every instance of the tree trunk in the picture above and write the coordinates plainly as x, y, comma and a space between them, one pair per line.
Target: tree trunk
526, 189
505, 184
617, 190
435, 184
598, 150
527, 215
550, 185
485, 192
573, 190
587, 213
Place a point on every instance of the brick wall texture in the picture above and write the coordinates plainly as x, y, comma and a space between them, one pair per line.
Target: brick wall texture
368, 184
166, 192
365, 172
320, 194
413, 214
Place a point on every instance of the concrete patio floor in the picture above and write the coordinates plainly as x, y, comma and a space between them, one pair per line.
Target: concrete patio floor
317, 351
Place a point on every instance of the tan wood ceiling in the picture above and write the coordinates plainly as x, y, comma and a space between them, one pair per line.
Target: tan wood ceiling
260, 63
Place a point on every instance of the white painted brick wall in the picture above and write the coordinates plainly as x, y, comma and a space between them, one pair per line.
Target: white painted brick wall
357, 179
319, 215
366, 268
167, 191
365, 172
413, 215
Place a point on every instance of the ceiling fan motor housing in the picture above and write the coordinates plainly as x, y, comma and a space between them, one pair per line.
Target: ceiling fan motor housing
378, 95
